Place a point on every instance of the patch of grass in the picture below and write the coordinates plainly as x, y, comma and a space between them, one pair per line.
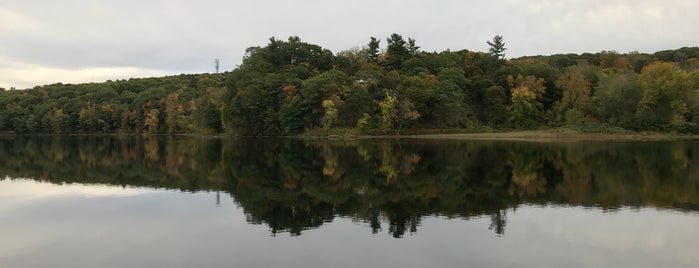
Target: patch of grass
340, 133
587, 132
597, 128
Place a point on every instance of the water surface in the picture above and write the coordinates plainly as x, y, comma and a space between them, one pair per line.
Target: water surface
182, 202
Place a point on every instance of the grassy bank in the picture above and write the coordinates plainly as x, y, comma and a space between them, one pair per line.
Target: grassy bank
549, 135
564, 135
559, 135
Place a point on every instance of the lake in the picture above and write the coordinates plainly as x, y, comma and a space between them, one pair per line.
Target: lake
195, 202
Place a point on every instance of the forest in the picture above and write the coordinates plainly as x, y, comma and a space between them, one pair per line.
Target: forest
292, 87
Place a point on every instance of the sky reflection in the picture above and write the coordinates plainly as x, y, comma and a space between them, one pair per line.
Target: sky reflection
102, 226
22, 188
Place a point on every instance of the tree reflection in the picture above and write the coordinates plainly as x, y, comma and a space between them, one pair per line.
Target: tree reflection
498, 220
293, 185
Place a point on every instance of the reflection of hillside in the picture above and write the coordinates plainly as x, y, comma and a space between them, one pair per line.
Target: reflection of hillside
168, 163
294, 185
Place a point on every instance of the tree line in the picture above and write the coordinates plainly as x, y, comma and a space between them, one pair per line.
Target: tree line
290, 87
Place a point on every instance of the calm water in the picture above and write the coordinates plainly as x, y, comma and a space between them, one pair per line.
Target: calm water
181, 202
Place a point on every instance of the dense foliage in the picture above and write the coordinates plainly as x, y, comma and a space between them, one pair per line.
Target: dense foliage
288, 87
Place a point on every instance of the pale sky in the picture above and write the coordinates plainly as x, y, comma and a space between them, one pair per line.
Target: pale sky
72, 41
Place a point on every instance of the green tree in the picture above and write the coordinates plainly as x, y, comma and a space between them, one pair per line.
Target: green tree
450, 107
694, 97
373, 50
615, 100
207, 115
413, 48
497, 48
495, 108
351, 61
89, 118
525, 110
356, 102
291, 116
282, 55
665, 94
543, 70
254, 106
397, 51
318, 88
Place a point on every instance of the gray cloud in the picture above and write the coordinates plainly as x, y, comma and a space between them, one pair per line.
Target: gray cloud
178, 36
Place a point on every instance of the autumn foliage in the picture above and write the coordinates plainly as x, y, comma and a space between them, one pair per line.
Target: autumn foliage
289, 87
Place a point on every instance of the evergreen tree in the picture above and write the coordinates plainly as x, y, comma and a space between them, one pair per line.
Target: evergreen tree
374, 49
497, 47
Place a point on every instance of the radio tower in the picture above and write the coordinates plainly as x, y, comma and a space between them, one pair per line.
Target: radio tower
216, 64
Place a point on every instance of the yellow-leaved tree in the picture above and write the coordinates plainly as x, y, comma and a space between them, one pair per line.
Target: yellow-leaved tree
526, 109
665, 92
575, 103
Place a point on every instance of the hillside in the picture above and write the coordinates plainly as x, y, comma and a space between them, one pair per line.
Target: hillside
288, 87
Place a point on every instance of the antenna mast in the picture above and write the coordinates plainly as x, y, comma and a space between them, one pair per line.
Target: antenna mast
216, 63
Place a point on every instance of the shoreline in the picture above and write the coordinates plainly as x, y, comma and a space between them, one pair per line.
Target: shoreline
558, 136
525, 135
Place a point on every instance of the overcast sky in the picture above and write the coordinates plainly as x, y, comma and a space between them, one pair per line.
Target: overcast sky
70, 41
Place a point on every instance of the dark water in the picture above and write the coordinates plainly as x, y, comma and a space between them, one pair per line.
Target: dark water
184, 202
